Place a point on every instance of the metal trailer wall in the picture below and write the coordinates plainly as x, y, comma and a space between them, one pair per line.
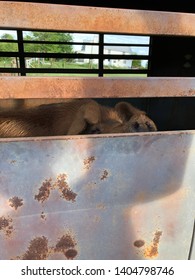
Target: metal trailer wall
124, 196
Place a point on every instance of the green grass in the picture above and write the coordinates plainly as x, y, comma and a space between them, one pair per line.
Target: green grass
68, 65
63, 64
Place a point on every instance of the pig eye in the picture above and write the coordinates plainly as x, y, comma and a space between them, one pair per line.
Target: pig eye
136, 125
95, 130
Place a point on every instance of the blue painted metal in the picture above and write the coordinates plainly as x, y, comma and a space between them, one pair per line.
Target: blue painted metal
105, 197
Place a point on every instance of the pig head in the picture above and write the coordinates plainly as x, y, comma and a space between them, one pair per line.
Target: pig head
93, 118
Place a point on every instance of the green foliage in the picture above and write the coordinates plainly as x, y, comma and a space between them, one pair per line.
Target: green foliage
48, 36
136, 64
8, 47
38, 36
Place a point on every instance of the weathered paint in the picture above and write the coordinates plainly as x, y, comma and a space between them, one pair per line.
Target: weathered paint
61, 87
92, 19
97, 197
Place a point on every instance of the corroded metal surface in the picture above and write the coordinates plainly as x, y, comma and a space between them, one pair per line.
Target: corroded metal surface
53, 87
75, 18
100, 197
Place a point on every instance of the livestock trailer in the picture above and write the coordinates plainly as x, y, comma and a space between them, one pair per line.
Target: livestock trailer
109, 196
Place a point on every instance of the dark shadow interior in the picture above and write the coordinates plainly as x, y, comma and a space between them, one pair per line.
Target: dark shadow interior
174, 113
172, 56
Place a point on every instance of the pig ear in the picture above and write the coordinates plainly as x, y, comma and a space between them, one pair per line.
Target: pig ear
88, 113
126, 110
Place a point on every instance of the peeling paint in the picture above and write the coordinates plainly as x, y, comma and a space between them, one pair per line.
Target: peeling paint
88, 162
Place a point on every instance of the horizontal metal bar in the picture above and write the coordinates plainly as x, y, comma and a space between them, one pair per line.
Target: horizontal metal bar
77, 18
125, 56
74, 55
50, 55
73, 43
8, 41
10, 70
125, 71
50, 70
9, 54
75, 70
126, 45
77, 87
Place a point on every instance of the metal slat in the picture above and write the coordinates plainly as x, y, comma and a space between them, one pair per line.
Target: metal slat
92, 19
62, 87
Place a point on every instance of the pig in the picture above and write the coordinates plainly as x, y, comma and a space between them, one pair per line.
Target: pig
78, 116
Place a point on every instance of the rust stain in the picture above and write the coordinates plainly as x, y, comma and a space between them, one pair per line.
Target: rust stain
44, 191
43, 216
66, 245
38, 249
60, 184
71, 254
6, 226
64, 188
97, 219
69, 195
15, 202
191, 92
88, 162
139, 243
152, 250
101, 206
104, 175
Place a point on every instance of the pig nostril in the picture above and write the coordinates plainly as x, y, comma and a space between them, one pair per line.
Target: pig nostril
150, 126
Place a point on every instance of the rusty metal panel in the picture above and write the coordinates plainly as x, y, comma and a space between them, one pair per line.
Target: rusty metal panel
106, 197
62, 87
77, 18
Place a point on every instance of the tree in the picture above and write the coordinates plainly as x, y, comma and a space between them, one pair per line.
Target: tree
51, 37
48, 48
7, 36
8, 47
136, 64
